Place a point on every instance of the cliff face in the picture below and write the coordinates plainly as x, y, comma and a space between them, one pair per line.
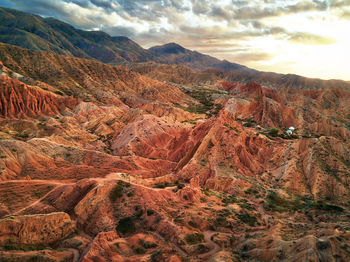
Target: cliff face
35, 229
20, 100
134, 169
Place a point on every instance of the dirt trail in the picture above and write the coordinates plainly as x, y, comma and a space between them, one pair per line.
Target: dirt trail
39, 181
121, 176
264, 215
75, 254
183, 253
215, 247
34, 203
57, 184
45, 182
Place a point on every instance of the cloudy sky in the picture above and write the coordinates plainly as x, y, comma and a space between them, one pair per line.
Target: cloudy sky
306, 37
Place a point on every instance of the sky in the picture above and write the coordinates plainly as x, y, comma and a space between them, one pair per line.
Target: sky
305, 37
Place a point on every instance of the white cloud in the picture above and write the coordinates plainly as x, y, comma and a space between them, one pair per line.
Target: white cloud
263, 29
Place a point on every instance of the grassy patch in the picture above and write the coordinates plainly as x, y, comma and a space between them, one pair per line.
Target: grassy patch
140, 250
24, 247
206, 104
273, 132
221, 221
232, 128
118, 190
248, 219
210, 144
150, 212
126, 225
163, 185
274, 202
194, 238
229, 199
157, 256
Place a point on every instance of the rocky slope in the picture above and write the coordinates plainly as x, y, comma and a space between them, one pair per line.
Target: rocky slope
100, 163
20, 100
49, 34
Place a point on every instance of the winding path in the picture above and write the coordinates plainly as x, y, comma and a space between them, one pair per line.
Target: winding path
183, 253
75, 254
215, 247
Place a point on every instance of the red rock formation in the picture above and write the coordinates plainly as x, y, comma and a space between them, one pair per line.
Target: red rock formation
20, 100
35, 229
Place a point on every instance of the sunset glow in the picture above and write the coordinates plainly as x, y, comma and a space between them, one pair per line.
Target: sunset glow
309, 38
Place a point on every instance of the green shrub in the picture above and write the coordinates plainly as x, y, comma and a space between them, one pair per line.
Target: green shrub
58, 92
221, 221
323, 206
246, 206
229, 200
156, 256
116, 193
140, 250
251, 191
216, 110
162, 185
248, 124
180, 186
24, 247
22, 135
276, 203
77, 244
118, 190
246, 218
148, 245
150, 212
126, 225
279, 204
130, 194
139, 211
321, 245
194, 238
192, 224
273, 132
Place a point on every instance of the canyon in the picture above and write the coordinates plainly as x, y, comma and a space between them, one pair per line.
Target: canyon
164, 161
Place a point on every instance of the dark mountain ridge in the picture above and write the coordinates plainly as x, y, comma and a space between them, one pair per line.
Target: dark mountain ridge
52, 35
49, 34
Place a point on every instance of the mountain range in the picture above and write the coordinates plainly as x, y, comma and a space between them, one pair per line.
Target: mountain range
51, 35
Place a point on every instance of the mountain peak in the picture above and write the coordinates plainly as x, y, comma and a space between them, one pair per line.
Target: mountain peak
170, 48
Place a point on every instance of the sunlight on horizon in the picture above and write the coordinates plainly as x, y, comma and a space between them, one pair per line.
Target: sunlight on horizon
306, 37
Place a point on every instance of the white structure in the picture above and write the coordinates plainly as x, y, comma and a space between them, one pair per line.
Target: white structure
289, 132
291, 128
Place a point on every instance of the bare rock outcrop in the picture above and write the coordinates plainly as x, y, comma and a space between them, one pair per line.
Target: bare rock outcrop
35, 229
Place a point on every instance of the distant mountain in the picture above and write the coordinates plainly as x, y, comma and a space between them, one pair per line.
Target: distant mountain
52, 35
173, 53
49, 34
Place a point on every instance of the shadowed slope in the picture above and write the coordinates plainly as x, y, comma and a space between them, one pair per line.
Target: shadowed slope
49, 34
